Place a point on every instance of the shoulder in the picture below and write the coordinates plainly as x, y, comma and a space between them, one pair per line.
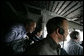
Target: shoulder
37, 47
75, 47
17, 26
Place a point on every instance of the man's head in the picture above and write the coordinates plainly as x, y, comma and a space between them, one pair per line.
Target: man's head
74, 35
58, 27
30, 25
38, 32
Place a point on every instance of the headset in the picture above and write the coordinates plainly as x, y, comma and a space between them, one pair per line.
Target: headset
61, 31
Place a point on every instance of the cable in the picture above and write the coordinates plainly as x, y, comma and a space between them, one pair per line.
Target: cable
63, 41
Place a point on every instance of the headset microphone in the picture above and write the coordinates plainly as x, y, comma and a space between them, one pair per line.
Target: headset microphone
61, 31
63, 41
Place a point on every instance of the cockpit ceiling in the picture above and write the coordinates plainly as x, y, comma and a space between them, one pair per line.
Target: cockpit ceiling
72, 10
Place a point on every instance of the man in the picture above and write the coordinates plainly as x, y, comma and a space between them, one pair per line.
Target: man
17, 36
37, 35
19, 31
73, 46
57, 29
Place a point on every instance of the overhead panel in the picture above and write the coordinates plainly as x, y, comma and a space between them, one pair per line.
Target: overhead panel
59, 6
67, 3
73, 9
54, 6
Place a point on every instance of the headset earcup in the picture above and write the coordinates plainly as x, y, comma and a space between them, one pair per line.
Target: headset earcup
61, 31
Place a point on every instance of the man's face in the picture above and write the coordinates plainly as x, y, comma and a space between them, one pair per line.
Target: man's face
39, 33
65, 27
78, 37
31, 27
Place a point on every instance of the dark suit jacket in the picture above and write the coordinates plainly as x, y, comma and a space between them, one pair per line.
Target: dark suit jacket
35, 38
45, 47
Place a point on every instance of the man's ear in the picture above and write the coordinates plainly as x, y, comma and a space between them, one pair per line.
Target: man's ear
57, 31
